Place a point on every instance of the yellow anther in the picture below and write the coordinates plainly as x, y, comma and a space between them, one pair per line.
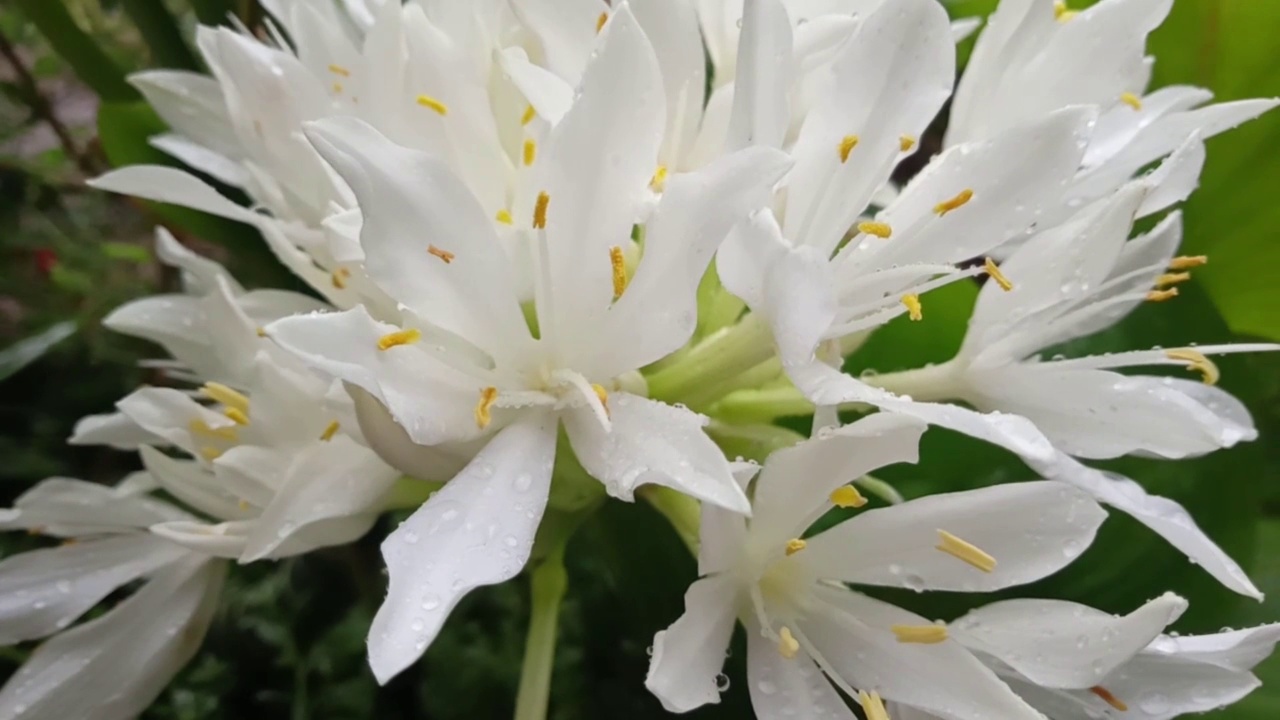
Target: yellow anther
329, 431
1131, 100
399, 337
243, 504
847, 144
788, 646
994, 271
337, 88
200, 427
1162, 295
262, 332
444, 255
1168, 279
1061, 13
339, 277
1108, 698
619, 264
210, 453
427, 101
915, 310
1197, 361
483, 416
225, 395
658, 182
528, 116
906, 142
879, 229
958, 201
529, 153
236, 416
847, 497
540, 211
339, 70
1186, 262
603, 395
600, 21
872, 705
972, 554
504, 217
795, 545
920, 634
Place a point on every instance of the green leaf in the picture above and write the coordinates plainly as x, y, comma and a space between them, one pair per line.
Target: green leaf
161, 33
93, 66
26, 351
126, 251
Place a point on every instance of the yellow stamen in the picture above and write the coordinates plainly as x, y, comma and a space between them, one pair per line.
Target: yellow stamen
1108, 698
915, 310
600, 21
1186, 262
1131, 100
847, 144
339, 70
225, 395
337, 88
483, 416
906, 142
1061, 13
262, 332
847, 497
872, 705
972, 554
619, 264
788, 646
243, 504
795, 545
329, 431
504, 217
528, 116
658, 182
427, 101
339, 277
1196, 361
603, 395
444, 255
1168, 279
530, 152
1162, 295
399, 337
200, 427
920, 634
879, 229
540, 211
210, 453
36, 530
994, 271
960, 200
236, 416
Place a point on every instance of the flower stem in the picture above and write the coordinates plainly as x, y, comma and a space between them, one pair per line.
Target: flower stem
931, 383
549, 582
683, 512
723, 354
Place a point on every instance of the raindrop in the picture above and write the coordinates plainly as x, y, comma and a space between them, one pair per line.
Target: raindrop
722, 682
430, 603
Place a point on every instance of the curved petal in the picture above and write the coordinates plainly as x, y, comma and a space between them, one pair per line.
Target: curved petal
722, 533
1158, 687
221, 540
200, 275
112, 429
62, 507
177, 187
477, 530
672, 29
567, 29
761, 110
783, 688
1233, 649
195, 485
688, 656
550, 96
192, 105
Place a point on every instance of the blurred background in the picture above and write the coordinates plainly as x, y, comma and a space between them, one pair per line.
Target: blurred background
289, 637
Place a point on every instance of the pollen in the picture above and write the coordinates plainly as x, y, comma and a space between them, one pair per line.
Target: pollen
339, 70
795, 545
1131, 100
1162, 295
1186, 262
444, 255
958, 201
210, 453
920, 634
788, 646
1061, 13
528, 116
879, 229
872, 705
847, 144
847, 497
1168, 279
1198, 362
504, 217
603, 395
915, 310
529, 152
427, 101
339, 278
906, 142
225, 395
329, 431
969, 553
658, 182
994, 271
399, 337
540, 211
262, 332
600, 21
619, 264
483, 416
236, 416
1108, 698
200, 427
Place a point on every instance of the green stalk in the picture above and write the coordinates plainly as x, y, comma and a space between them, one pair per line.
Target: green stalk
212, 12
725, 353
93, 66
683, 512
160, 31
549, 582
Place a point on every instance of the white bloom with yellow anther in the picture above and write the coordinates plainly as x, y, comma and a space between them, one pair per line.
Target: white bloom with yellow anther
467, 365
810, 637
113, 666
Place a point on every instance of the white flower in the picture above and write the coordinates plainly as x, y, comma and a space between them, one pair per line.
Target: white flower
114, 666
466, 367
802, 622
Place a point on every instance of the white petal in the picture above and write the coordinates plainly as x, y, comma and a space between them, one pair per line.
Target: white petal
567, 29
70, 508
177, 187
672, 29
392, 444
1032, 530
1158, 687
201, 158
192, 105
761, 111
199, 274
221, 540
1062, 644
477, 530
688, 656
1233, 649
549, 95
722, 533
788, 688
170, 413
193, 484
652, 442
112, 429
1176, 178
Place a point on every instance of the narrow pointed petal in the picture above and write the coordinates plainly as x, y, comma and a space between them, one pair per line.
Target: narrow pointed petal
761, 109
782, 687
176, 187
688, 656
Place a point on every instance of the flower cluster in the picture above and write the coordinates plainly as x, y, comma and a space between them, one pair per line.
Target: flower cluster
561, 258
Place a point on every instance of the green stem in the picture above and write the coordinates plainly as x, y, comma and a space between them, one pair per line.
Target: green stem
880, 489
761, 406
212, 12
161, 33
408, 493
683, 512
725, 353
93, 66
753, 442
549, 582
